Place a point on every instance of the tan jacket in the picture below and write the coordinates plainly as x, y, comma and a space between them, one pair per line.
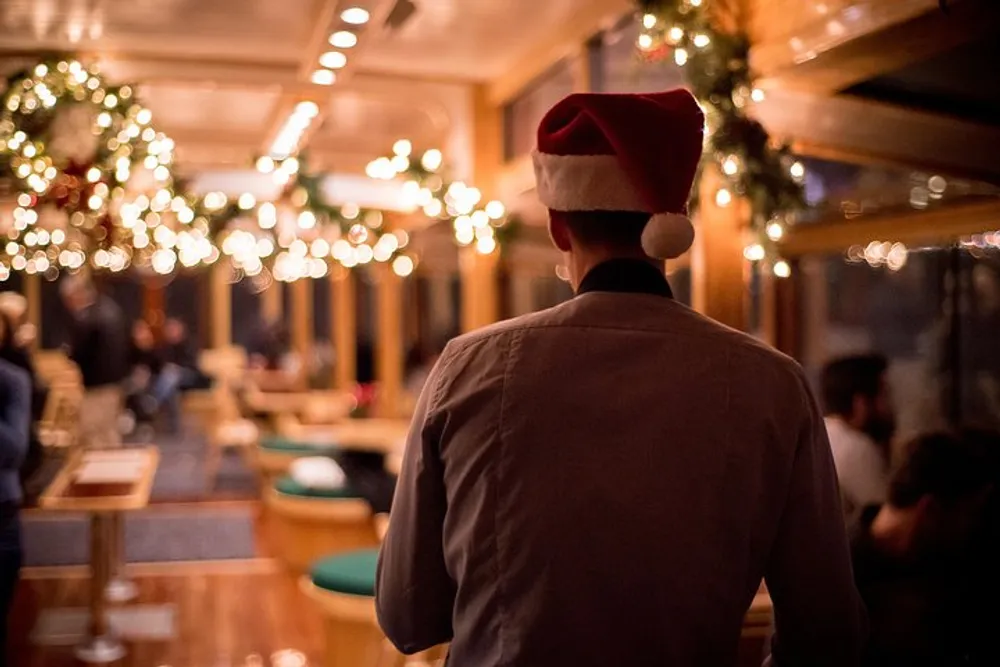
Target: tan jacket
606, 483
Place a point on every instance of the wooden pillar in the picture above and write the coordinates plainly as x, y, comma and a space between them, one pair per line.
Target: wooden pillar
33, 314
302, 325
718, 287
389, 341
154, 304
345, 334
780, 317
440, 307
272, 305
480, 296
221, 296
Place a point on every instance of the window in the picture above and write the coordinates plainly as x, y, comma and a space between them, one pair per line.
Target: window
619, 69
523, 113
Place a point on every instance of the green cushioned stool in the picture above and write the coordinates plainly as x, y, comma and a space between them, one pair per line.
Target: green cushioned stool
352, 573
290, 487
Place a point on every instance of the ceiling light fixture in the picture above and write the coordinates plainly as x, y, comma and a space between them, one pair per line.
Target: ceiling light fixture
291, 132
343, 39
333, 60
355, 16
323, 77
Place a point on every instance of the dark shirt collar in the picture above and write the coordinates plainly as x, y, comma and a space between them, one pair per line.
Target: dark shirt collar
632, 276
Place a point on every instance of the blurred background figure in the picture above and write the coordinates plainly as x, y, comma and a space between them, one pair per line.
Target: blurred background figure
860, 424
925, 562
100, 348
15, 353
145, 367
15, 417
179, 373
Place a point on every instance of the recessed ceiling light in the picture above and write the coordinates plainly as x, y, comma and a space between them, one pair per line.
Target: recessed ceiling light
323, 77
333, 59
343, 39
355, 16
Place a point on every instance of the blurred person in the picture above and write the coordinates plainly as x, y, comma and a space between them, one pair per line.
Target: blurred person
178, 373
145, 369
608, 481
860, 424
925, 562
15, 418
99, 346
12, 352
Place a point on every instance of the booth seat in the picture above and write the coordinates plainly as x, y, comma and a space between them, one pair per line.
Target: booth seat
310, 523
343, 588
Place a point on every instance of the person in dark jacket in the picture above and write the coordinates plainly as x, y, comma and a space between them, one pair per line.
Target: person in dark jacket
925, 561
15, 418
99, 346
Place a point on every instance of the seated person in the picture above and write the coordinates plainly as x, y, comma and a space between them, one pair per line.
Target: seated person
145, 364
925, 561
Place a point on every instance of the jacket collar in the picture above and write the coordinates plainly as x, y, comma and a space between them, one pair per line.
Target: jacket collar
626, 275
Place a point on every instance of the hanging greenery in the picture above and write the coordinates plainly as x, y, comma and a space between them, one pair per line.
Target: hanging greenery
750, 163
488, 226
92, 178
300, 234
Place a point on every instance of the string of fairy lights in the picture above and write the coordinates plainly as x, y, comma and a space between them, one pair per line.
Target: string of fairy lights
95, 189
748, 161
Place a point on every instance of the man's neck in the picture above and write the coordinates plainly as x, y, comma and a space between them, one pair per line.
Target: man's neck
583, 262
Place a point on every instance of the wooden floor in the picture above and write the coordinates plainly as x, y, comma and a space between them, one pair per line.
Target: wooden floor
226, 613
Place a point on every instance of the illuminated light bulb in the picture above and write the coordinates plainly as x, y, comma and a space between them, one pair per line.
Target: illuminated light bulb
41, 70
340, 250
486, 245
307, 109
400, 163
896, 257
433, 208
432, 159
24, 199
350, 211
797, 170
30, 216
307, 220
680, 57
265, 164
775, 231
95, 202
246, 201
161, 173
163, 261
93, 175
185, 216
29, 151
343, 39
333, 60
323, 77
403, 237
402, 266
675, 34
495, 210
645, 42
382, 252
402, 147
110, 101
701, 40
695, 3
319, 247
364, 254
355, 16
265, 247
754, 253
465, 235
357, 234
730, 166
757, 95
480, 219
782, 269
723, 197
144, 116
649, 21
150, 162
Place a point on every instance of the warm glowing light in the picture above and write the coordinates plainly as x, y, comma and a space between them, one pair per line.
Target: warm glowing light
680, 56
432, 159
757, 95
649, 21
675, 34
343, 39
782, 269
645, 42
144, 116
495, 210
307, 220
723, 197
701, 40
333, 60
797, 170
246, 201
731, 166
355, 16
93, 174
402, 266
323, 77
265, 164
754, 253
403, 148
775, 231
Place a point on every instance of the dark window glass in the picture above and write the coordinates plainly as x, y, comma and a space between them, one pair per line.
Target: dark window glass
522, 115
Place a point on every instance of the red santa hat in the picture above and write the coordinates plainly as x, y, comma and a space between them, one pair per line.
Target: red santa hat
601, 152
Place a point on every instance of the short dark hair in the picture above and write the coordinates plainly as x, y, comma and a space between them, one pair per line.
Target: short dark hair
847, 377
947, 466
617, 229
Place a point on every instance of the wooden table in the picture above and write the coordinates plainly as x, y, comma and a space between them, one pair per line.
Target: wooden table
105, 501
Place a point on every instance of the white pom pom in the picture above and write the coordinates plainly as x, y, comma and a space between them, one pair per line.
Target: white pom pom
317, 472
667, 235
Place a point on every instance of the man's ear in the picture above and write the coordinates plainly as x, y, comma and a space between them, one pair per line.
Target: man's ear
559, 231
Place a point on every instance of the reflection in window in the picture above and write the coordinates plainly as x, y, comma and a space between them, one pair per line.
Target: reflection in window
944, 365
523, 113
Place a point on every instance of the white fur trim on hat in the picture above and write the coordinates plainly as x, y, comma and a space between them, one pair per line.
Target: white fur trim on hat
584, 183
667, 235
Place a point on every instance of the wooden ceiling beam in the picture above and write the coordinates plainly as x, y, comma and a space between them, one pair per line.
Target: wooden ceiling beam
858, 130
945, 224
864, 40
